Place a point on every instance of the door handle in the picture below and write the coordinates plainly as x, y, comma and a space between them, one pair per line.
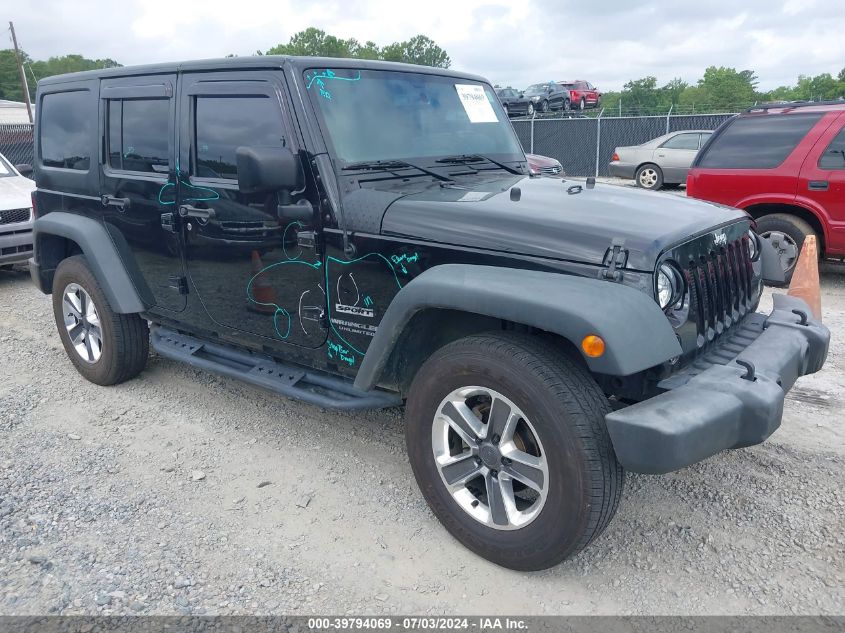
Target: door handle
817, 185
114, 201
187, 211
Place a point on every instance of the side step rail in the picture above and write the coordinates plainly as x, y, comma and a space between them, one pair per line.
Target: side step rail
322, 389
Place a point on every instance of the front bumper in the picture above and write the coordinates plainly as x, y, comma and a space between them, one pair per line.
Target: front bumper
707, 411
15, 243
620, 170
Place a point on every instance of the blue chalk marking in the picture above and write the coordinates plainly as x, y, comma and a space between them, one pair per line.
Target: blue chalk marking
280, 311
317, 78
404, 258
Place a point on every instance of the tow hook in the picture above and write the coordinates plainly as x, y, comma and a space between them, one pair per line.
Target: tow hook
749, 370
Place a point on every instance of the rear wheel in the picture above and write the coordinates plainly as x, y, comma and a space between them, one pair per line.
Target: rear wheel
507, 441
567, 105
105, 347
649, 177
544, 106
583, 103
787, 234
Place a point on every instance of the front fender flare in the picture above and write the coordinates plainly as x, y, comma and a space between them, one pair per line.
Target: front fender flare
636, 332
100, 252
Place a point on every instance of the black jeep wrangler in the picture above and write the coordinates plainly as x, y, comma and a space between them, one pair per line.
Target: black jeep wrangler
360, 234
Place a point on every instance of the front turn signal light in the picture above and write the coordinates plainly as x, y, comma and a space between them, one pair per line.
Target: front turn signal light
593, 345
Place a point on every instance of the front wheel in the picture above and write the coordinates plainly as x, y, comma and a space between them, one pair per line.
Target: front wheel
567, 105
507, 440
105, 347
544, 106
530, 109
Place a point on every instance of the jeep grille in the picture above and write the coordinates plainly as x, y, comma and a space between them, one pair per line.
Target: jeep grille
721, 288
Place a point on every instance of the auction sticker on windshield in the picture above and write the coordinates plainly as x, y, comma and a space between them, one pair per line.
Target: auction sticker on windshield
476, 103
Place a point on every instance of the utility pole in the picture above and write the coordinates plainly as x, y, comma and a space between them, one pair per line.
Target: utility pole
24, 85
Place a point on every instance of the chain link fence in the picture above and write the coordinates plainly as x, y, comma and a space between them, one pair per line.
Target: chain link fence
16, 143
584, 144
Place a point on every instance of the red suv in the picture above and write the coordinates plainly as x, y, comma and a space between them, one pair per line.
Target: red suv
582, 94
785, 165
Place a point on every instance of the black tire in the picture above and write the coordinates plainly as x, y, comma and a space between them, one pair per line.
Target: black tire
567, 105
544, 105
649, 176
530, 111
787, 234
567, 410
125, 337
583, 104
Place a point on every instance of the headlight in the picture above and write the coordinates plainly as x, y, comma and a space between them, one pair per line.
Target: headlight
753, 245
669, 286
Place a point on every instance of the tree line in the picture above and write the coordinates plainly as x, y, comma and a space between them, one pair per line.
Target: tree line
720, 89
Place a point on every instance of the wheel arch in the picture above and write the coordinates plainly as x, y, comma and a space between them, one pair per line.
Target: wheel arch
455, 300
761, 209
59, 235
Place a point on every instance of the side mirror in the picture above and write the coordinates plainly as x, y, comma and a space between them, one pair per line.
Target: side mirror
268, 169
24, 169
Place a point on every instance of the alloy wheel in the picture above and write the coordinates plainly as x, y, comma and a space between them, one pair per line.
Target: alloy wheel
490, 458
785, 246
648, 178
83, 323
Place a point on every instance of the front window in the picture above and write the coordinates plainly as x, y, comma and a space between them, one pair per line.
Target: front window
5, 168
372, 115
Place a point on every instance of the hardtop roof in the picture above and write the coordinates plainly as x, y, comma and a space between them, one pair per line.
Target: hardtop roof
254, 63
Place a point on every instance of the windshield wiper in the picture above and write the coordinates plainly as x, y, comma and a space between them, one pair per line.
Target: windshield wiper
387, 165
474, 158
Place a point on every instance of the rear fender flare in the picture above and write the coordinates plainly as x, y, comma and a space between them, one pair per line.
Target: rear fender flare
101, 254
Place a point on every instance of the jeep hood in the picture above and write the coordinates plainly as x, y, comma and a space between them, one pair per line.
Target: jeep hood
554, 219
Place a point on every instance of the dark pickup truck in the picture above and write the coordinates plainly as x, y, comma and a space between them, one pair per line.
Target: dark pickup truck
361, 234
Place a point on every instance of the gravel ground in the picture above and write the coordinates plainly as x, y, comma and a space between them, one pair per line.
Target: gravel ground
182, 492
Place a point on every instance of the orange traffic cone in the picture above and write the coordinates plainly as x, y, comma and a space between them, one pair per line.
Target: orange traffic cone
805, 279
261, 294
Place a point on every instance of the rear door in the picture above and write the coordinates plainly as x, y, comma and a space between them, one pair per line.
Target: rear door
254, 270
822, 183
755, 157
675, 156
138, 159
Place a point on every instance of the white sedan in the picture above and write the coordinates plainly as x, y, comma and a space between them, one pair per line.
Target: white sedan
15, 215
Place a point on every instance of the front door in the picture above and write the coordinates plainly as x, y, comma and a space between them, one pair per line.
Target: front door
253, 258
676, 155
138, 159
822, 181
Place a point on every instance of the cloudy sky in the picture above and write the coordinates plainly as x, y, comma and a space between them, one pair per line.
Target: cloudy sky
517, 43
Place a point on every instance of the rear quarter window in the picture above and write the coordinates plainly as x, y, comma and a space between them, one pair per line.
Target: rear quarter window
757, 142
67, 127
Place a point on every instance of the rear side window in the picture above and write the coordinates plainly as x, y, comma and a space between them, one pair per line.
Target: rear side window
757, 142
67, 126
834, 155
138, 134
225, 123
682, 141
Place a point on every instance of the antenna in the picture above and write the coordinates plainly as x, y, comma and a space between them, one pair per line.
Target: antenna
24, 85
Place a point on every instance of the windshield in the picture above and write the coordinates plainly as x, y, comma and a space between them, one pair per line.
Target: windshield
372, 115
5, 168
536, 89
